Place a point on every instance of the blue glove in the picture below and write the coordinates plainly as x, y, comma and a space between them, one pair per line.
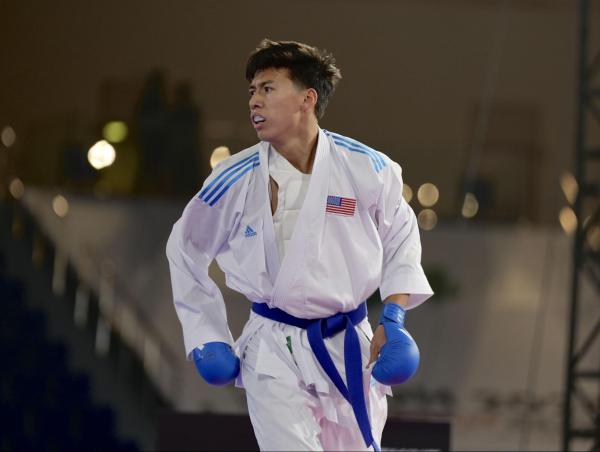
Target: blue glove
399, 357
217, 363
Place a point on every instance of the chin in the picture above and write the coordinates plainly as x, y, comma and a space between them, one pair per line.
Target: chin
264, 136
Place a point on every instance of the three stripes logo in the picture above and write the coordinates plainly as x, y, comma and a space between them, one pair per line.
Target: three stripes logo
249, 232
351, 145
220, 184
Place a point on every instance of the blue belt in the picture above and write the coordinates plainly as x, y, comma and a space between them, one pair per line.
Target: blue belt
320, 329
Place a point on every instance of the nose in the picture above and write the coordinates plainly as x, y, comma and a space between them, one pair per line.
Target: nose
255, 101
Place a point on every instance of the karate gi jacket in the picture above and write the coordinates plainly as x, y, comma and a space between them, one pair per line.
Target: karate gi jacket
355, 233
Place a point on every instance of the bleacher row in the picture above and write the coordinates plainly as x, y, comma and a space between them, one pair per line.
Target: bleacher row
44, 405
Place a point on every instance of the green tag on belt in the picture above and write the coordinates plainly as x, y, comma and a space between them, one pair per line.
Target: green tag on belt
289, 343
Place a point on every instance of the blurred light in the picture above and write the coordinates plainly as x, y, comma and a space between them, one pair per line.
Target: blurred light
428, 194
16, 188
427, 219
101, 155
568, 220
569, 186
8, 136
593, 238
220, 153
60, 205
470, 206
407, 192
115, 131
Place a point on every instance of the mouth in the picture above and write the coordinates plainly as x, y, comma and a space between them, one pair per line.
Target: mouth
258, 121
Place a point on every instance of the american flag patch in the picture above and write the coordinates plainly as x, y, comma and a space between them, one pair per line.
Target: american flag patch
340, 205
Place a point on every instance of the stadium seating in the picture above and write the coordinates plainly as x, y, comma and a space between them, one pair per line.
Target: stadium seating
43, 404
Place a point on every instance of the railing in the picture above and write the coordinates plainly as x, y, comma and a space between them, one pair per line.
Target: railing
103, 305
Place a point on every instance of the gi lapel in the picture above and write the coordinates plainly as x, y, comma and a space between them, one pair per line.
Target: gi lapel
307, 229
271, 253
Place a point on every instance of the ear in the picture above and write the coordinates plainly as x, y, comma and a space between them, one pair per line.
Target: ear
310, 100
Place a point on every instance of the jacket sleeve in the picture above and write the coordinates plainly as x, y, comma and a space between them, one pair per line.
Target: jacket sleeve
399, 233
196, 238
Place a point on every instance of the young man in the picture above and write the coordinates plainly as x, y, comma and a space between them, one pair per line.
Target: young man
307, 224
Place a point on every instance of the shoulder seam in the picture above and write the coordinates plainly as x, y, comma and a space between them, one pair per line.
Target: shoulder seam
229, 176
377, 161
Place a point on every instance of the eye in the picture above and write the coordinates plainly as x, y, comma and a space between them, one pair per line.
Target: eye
268, 89
250, 92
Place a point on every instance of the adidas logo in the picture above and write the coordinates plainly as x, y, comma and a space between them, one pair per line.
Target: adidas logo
249, 232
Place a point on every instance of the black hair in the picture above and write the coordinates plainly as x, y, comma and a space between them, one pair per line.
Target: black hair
308, 67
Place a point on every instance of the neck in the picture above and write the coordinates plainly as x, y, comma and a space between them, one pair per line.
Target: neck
301, 149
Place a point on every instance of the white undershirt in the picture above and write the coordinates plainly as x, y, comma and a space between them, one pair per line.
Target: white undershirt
293, 185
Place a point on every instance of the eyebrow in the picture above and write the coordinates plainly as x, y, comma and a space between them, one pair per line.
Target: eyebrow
261, 84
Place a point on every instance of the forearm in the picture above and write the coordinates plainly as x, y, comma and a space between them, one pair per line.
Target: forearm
398, 298
198, 301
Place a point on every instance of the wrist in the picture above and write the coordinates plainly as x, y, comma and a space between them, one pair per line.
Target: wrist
392, 312
208, 347
401, 299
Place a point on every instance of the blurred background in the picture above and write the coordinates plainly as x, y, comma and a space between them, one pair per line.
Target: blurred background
112, 114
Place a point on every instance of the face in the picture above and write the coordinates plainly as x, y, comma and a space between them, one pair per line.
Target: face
277, 105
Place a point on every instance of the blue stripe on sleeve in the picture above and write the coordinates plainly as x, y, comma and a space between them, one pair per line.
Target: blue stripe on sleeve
360, 151
352, 144
358, 143
224, 173
232, 174
374, 162
231, 182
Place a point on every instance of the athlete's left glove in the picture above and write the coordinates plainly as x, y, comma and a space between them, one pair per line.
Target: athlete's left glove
399, 356
216, 363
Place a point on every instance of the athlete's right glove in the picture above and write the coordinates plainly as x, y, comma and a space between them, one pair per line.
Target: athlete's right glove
399, 356
217, 363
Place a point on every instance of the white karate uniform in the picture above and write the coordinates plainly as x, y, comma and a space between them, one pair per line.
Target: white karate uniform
333, 261
292, 188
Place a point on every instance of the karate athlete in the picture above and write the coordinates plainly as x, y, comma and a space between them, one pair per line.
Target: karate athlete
307, 224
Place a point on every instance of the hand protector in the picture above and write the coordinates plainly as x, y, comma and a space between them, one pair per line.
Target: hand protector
399, 356
216, 363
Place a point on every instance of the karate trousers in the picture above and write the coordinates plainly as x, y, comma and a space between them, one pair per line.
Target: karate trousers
292, 403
